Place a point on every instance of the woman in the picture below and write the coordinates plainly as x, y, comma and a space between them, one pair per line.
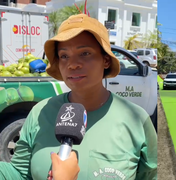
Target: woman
120, 142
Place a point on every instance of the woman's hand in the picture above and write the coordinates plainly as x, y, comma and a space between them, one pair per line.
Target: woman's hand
64, 170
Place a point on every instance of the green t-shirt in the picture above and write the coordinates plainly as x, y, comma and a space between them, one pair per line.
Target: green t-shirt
120, 143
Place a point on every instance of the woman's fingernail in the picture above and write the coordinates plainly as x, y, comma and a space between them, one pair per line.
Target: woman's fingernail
51, 152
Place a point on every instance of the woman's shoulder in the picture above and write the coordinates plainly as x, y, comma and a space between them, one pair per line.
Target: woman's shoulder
50, 102
129, 107
46, 109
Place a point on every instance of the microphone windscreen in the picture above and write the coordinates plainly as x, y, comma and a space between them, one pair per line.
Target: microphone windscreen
71, 122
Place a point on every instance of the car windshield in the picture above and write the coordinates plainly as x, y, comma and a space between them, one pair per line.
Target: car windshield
134, 53
171, 76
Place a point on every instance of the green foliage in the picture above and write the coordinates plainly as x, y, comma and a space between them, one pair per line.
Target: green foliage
166, 58
150, 40
54, 23
67, 11
57, 17
131, 43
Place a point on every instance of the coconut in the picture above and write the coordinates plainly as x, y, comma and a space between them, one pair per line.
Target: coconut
44, 74
12, 95
2, 68
21, 60
11, 69
19, 73
3, 95
28, 75
6, 74
26, 93
25, 70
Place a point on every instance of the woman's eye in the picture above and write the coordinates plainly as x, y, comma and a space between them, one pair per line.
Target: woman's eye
85, 54
63, 56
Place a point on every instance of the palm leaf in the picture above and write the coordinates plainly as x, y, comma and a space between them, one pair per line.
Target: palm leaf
131, 43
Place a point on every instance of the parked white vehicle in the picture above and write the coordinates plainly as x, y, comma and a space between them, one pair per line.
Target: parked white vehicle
134, 53
169, 81
21, 32
147, 56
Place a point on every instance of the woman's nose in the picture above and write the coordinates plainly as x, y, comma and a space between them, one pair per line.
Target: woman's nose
74, 63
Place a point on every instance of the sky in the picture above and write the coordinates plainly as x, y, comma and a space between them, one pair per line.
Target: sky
167, 19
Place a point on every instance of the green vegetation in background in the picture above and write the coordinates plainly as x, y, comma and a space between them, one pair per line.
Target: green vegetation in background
160, 82
168, 98
60, 15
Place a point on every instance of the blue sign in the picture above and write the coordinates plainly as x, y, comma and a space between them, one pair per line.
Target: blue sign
112, 33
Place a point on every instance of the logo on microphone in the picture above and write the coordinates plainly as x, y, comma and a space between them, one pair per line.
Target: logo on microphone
66, 118
85, 119
83, 128
68, 115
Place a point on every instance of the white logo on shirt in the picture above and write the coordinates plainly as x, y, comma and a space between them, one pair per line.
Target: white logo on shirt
109, 173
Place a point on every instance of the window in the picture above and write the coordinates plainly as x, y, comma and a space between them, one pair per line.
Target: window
147, 52
127, 65
112, 43
171, 76
4, 2
140, 52
14, 1
156, 22
112, 17
136, 18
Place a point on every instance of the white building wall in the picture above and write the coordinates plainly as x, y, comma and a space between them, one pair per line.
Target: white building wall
123, 28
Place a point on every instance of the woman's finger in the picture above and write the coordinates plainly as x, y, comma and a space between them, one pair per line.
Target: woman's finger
55, 161
76, 177
73, 155
50, 175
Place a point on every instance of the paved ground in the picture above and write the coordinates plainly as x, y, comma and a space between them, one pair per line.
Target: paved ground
166, 152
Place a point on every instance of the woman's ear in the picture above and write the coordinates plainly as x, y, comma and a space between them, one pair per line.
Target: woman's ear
107, 61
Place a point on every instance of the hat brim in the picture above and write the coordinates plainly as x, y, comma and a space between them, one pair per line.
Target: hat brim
49, 47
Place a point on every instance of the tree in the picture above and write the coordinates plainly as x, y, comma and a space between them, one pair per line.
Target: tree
150, 39
54, 23
166, 60
57, 17
161, 52
67, 11
131, 43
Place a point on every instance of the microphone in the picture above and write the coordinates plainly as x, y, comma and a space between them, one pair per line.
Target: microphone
70, 127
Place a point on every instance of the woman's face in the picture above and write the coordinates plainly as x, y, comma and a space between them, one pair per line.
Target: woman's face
81, 62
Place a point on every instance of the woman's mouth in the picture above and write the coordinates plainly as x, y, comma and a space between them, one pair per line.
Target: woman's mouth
76, 78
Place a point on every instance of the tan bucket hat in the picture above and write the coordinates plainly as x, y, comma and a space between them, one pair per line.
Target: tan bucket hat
72, 27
